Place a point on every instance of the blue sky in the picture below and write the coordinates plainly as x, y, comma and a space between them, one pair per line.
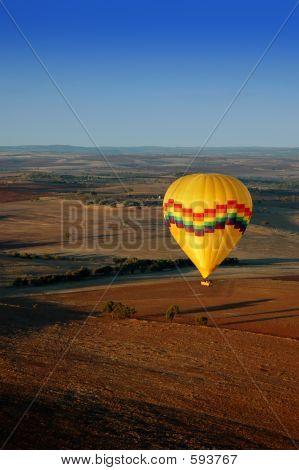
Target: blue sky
149, 72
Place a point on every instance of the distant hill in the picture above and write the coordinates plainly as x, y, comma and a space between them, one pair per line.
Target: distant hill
156, 150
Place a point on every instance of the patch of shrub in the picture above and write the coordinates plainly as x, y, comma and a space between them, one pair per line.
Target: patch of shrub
78, 274
171, 312
17, 254
83, 272
143, 264
121, 311
109, 202
17, 282
20, 281
118, 260
104, 271
69, 276
161, 264
201, 320
58, 277
129, 265
109, 306
37, 281
182, 262
118, 310
132, 203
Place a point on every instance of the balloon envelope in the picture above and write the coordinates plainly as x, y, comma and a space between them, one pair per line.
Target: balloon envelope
207, 215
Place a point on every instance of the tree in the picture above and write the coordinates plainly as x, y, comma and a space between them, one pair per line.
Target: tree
119, 260
109, 306
143, 264
121, 311
171, 312
104, 270
17, 282
118, 310
130, 265
83, 272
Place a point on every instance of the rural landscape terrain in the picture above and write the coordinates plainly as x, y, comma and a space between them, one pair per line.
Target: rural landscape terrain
81, 231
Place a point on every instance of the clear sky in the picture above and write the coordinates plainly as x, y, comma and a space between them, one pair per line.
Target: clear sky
149, 72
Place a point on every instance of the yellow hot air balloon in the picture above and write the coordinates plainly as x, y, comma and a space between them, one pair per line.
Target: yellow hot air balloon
207, 215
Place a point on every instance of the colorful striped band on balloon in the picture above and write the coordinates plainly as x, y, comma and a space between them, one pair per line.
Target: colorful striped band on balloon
232, 213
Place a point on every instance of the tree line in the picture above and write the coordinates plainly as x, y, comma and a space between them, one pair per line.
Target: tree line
121, 266
120, 311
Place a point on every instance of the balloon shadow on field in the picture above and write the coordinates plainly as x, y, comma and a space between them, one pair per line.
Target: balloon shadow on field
213, 308
272, 312
228, 306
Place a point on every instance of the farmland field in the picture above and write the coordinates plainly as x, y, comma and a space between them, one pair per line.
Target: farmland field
78, 378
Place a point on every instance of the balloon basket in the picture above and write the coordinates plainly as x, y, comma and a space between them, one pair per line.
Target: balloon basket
205, 283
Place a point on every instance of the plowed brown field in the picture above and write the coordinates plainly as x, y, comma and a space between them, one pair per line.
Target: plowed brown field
146, 383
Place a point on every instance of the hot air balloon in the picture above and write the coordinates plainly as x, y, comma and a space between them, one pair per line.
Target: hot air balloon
207, 214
